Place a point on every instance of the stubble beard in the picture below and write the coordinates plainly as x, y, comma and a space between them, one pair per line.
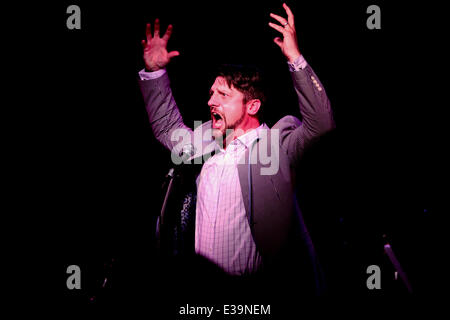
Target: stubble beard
228, 129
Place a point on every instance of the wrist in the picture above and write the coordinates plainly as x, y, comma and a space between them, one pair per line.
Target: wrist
151, 69
297, 64
152, 66
293, 57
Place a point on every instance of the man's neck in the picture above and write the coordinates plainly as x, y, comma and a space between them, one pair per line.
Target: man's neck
236, 133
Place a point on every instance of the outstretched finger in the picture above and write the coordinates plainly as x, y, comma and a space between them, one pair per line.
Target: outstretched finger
144, 43
148, 32
277, 27
289, 14
172, 54
168, 32
280, 19
156, 34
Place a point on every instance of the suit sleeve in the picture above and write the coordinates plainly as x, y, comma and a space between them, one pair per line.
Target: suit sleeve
163, 113
317, 117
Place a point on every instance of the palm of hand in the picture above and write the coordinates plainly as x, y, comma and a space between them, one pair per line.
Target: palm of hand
155, 48
156, 55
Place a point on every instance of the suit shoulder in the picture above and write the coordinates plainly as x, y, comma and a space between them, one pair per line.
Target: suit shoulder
288, 122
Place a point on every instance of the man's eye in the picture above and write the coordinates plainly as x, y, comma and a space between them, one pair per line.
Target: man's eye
224, 94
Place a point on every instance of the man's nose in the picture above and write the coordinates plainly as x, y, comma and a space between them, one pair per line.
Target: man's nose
212, 101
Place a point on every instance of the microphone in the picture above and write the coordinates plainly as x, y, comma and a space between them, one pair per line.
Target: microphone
180, 161
185, 153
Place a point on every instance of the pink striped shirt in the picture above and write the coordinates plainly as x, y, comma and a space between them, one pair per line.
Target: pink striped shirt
222, 231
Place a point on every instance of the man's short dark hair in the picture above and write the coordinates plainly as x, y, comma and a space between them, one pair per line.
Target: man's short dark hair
247, 79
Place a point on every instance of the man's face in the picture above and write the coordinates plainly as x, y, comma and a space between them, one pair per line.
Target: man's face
227, 107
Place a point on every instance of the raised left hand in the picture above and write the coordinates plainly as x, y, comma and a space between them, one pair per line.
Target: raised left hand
288, 44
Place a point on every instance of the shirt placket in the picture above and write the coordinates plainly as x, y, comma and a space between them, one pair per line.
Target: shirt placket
218, 174
223, 165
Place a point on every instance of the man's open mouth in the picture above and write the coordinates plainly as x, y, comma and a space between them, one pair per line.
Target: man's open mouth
217, 120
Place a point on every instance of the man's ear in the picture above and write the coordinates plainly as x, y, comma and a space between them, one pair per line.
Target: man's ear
253, 106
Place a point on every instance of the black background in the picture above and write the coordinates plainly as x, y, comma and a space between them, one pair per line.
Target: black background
93, 169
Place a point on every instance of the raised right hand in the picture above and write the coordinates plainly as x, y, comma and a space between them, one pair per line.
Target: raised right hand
155, 48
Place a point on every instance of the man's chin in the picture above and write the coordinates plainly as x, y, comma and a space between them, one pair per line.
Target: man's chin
218, 133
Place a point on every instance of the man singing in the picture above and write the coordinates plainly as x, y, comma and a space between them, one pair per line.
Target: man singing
247, 219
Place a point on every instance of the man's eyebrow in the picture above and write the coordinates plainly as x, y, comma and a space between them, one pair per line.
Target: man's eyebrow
223, 91
211, 91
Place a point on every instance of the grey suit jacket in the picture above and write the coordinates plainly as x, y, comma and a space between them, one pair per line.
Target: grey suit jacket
269, 200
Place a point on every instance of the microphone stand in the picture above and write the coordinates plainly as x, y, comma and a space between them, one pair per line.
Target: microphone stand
396, 264
160, 222
161, 228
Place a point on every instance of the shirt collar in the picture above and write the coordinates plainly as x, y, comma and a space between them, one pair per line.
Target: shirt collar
247, 138
250, 136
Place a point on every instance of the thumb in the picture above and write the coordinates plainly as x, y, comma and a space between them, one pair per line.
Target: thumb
173, 54
278, 41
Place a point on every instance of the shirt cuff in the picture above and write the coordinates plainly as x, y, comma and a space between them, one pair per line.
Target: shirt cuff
144, 75
298, 64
